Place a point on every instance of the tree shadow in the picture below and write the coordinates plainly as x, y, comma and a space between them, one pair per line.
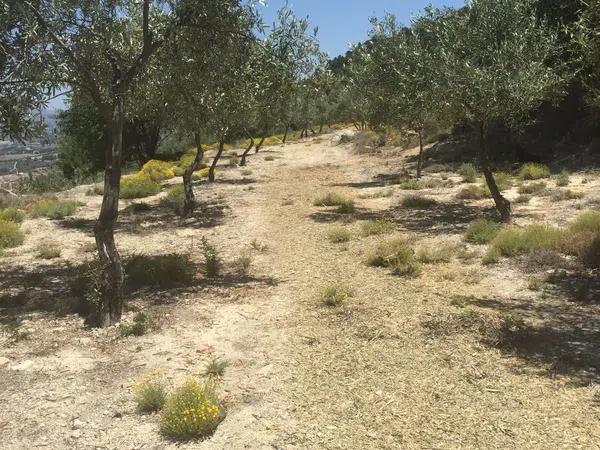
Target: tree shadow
557, 337
440, 218
578, 286
379, 180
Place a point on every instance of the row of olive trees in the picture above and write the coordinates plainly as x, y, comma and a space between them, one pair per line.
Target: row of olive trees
196, 67
486, 63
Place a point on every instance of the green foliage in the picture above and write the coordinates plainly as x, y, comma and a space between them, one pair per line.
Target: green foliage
201, 174
164, 271
47, 250
10, 235
563, 178
138, 187
339, 235
472, 192
396, 254
335, 295
12, 215
503, 181
512, 241
150, 394
588, 221
51, 181
532, 188
481, 231
418, 202
468, 172
533, 171
412, 185
139, 327
53, 208
175, 198
216, 368
212, 262
192, 411
377, 226
157, 171
492, 256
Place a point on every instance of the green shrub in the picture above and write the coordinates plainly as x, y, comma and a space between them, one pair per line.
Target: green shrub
330, 199
157, 170
52, 181
468, 172
481, 231
418, 201
588, 221
175, 198
192, 411
563, 178
337, 235
396, 254
150, 394
212, 262
241, 265
201, 174
434, 255
472, 192
347, 207
139, 327
378, 226
503, 181
53, 208
533, 171
335, 295
567, 194
138, 187
512, 241
532, 188
216, 368
10, 235
412, 185
161, 270
12, 215
46, 250
492, 256
523, 198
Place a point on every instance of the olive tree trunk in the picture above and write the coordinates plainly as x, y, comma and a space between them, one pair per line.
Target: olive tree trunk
189, 201
285, 135
243, 159
111, 277
211, 171
420, 160
502, 204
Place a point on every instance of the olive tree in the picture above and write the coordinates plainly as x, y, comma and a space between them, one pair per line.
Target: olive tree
497, 63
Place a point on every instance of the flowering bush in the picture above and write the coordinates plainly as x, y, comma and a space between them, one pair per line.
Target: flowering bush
157, 170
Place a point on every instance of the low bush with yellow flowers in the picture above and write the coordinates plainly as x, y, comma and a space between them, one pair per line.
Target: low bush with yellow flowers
192, 411
157, 170
138, 186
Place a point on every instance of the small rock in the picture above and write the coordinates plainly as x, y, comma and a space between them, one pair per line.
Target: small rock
77, 424
25, 365
76, 434
4, 360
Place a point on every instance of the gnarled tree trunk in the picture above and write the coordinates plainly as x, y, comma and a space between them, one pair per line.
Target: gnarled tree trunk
211, 171
502, 204
111, 277
189, 201
243, 159
287, 128
420, 161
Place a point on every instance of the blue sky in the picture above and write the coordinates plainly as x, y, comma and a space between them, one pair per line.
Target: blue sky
342, 22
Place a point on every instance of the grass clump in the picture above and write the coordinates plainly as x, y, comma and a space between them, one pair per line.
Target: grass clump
567, 194
468, 172
492, 256
523, 198
175, 198
503, 181
241, 265
396, 254
472, 192
12, 215
532, 188
245, 172
47, 250
216, 368
269, 158
335, 295
53, 208
481, 231
192, 411
418, 201
382, 193
412, 185
138, 187
331, 199
10, 235
533, 171
212, 262
164, 271
338, 235
563, 179
150, 393
512, 241
588, 221
436, 255
377, 227
347, 207
437, 168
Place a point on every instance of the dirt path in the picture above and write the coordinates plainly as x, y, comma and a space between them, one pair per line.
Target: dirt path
302, 376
